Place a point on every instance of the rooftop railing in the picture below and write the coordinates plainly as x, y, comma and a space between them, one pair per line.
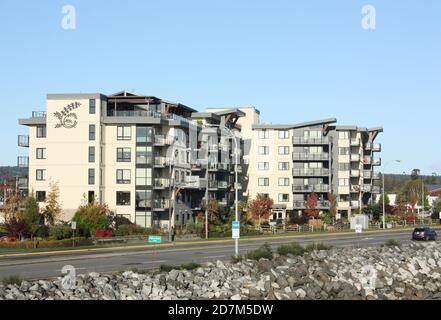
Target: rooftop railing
38, 114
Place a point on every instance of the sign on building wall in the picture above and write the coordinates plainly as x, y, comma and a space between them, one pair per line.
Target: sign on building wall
67, 117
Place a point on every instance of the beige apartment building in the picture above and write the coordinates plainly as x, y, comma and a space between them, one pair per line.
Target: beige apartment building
146, 158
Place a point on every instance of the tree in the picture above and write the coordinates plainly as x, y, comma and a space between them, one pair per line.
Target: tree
91, 217
53, 209
16, 227
213, 211
387, 200
12, 205
437, 206
333, 204
413, 202
260, 207
415, 174
32, 215
311, 206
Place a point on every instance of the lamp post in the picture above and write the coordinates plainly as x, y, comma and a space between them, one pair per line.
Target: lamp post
172, 196
384, 197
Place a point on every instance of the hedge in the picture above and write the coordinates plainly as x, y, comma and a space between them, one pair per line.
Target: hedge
45, 243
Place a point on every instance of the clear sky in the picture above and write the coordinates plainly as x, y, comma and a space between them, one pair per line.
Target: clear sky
294, 60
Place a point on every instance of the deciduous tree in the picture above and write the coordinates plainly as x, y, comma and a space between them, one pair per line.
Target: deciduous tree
260, 207
311, 206
52, 207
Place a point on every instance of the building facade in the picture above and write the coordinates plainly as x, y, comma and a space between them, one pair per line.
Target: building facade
146, 158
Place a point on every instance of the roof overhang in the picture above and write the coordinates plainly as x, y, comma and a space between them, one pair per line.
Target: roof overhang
295, 126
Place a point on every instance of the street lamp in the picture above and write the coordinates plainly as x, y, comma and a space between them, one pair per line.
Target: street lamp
172, 191
384, 197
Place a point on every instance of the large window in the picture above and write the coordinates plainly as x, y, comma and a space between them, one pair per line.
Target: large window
143, 199
92, 106
123, 176
144, 134
143, 155
263, 150
124, 133
40, 175
143, 176
123, 198
283, 182
263, 182
283, 134
92, 132
283, 197
41, 153
91, 154
41, 131
123, 154
91, 176
283, 166
312, 134
263, 134
283, 150
343, 135
263, 166
144, 219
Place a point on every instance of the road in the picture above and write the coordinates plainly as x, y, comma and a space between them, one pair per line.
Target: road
48, 265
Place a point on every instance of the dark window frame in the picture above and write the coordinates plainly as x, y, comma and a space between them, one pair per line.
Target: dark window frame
43, 153
91, 176
123, 137
122, 180
123, 152
123, 202
40, 196
43, 132
92, 132
92, 154
43, 175
92, 106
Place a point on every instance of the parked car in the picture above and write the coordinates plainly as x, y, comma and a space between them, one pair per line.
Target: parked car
425, 234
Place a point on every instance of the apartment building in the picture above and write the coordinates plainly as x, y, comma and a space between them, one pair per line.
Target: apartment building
150, 160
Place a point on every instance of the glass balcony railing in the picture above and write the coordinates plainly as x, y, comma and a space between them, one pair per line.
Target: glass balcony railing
310, 156
321, 204
23, 162
310, 172
38, 114
311, 188
23, 141
310, 141
161, 183
160, 204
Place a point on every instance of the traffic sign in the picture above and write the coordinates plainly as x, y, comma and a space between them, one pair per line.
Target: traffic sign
358, 228
236, 229
73, 225
155, 239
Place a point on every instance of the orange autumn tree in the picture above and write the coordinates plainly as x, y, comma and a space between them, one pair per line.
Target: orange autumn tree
311, 206
260, 207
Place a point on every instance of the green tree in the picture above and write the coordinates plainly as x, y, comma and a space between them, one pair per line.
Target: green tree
387, 200
415, 174
53, 209
32, 215
437, 206
91, 217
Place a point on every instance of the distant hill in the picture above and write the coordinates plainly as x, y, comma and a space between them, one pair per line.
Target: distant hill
9, 173
393, 182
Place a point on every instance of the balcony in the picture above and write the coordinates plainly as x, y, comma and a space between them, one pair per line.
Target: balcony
367, 174
219, 166
213, 185
355, 173
376, 176
355, 142
160, 205
196, 167
375, 147
161, 183
311, 156
355, 158
376, 162
310, 172
23, 183
310, 141
310, 188
38, 114
239, 168
321, 204
355, 204
23, 162
355, 188
23, 141
161, 162
366, 188
162, 140
376, 189
222, 184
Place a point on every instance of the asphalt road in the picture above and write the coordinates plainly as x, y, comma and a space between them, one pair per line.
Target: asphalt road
48, 265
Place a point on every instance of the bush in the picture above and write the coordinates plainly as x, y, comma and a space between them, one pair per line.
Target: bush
293, 248
318, 246
60, 231
16, 228
190, 266
411, 219
104, 233
167, 268
264, 252
42, 232
133, 229
236, 259
91, 217
45, 243
392, 243
435, 216
11, 280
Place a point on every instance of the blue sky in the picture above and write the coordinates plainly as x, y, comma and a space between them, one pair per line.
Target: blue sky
294, 60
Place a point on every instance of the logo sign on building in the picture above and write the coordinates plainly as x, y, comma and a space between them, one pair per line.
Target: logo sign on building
236, 229
67, 117
358, 228
155, 239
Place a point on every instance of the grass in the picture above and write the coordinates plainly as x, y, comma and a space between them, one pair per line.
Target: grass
236, 259
391, 243
264, 252
11, 280
293, 248
318, 246
187, 266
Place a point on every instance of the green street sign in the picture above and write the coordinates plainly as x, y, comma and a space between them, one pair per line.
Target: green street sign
155, 239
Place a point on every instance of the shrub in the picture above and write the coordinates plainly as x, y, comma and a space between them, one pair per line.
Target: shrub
11, 280
60, 231
45, 243
410, 219
167, 268
42, 232
16, 228
190, 266
318, 246
292, 248
392, 243
264, 252
133, 229
91, 217
236, 259
104, 233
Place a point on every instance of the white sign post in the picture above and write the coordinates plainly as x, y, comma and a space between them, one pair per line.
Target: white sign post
73, 225
236, 229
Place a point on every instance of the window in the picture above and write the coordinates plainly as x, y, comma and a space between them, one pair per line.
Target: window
40, 196
143, 176
283, 197
91, 154
91, 132
143, 219
123, 176
263, 182
143, 155
313, 165
283, 150
343, 166
283, 166
343, 151
263, 134
91, 196
312, 134
283, 134
343, 182
144, 134
41, 131
144, 199
123, 198
124, 133
92, 106
263, 150
313, 150
91, 177
41, 153
40, 175
283, 182
343, 135
123, 154
263, 165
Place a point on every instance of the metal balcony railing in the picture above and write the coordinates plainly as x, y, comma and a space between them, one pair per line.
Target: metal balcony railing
321, 204
23, 162
310, 156
310, 141
311, 188
311, 172
161, 183
158, 204
38, 114
23, 183
23, 141
376, 147
163, 140
367, 174
162, 161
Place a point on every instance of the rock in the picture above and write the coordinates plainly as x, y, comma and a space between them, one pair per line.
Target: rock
236, 297
300, 293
